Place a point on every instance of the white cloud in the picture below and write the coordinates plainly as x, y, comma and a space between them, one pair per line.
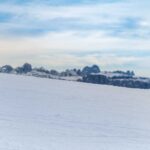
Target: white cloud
51, 43
71, 41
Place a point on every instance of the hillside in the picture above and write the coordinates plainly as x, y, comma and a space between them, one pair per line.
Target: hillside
45, 114
89, 74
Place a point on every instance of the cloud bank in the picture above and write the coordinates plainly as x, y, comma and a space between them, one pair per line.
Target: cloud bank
113, 34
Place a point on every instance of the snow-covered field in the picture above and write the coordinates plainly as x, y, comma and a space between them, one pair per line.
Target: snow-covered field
44, 114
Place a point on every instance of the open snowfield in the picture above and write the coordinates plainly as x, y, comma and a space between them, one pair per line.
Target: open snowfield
44, 114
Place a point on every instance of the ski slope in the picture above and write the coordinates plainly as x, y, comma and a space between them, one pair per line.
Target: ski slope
44, 114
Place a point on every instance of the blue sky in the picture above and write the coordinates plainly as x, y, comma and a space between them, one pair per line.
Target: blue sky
114, 34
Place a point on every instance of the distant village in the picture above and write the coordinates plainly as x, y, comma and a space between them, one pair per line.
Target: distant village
89, 74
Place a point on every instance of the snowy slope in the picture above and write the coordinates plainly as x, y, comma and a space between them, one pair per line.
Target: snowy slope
44, 114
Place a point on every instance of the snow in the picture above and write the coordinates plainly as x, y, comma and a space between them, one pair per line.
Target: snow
112, 74
45, 114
